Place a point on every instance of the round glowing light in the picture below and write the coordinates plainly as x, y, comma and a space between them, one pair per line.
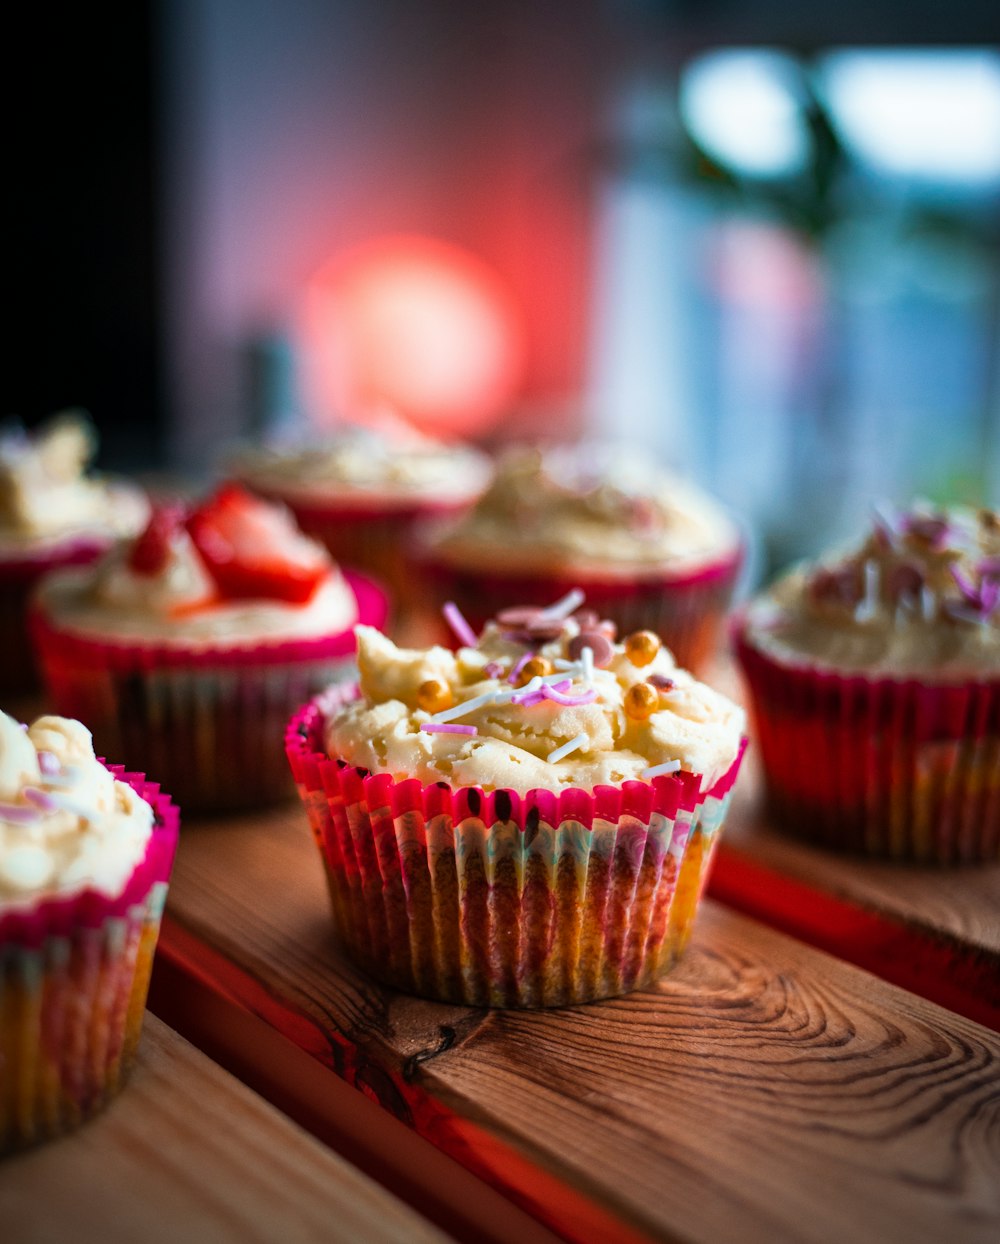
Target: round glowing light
414, 326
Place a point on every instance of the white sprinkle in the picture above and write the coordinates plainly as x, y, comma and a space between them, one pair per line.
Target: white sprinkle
561, 664
668, 766
564, 607
587, 661
566, 748
549, 680
466, 706
865, 611
928, 603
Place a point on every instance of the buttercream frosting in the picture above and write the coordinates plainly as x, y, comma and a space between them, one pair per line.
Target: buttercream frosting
46, 495
66, 824
366, 465
920, 596
579, 509
517, 738
180, 605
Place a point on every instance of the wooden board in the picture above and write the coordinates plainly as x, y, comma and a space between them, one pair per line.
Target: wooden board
764, 1091
186, 1153
933, 930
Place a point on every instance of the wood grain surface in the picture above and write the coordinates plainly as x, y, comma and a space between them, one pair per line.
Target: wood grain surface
764, 1091
188, 1154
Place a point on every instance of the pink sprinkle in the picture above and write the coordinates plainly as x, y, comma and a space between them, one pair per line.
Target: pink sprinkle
18, 814
40, 798
463, 631
441, 727
48, 762
528, 701
554, 693
661, 682
522, 662
493, 669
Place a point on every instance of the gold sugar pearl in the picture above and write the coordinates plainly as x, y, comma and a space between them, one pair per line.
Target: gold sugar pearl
434, 696
641, 701
534, 667
641, 647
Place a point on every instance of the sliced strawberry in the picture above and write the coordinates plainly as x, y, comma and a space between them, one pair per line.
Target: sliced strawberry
253, 549
151, 550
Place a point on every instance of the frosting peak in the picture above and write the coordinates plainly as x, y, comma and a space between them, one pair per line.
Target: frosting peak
517, 712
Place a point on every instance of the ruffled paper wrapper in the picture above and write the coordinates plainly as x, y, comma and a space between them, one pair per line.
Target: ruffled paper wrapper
896, 768
74, 974
209, 721
685, 609
375, 534
496, 899
19, 674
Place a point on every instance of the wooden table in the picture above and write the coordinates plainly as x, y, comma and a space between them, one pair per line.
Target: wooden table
189, 1154
767, 1089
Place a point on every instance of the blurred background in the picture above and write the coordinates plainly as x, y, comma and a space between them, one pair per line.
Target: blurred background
760, 241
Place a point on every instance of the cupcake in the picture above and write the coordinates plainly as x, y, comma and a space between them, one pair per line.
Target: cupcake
187, 649
362, 492
527, 821
650, 551
875, 680
85, 855
52, 514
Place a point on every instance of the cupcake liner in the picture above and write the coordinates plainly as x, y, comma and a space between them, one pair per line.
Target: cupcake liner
374, 533
74, 974
496, 899
19, 574
685, 610
882, 766
209, 721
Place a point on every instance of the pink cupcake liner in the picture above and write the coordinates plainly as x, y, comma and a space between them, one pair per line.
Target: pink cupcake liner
881, 766
18, 577
496, 899
210, 720
74, 974
374, 534
686, 611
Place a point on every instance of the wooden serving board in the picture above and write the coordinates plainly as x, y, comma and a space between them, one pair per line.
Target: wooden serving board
186, 1153
764, 1091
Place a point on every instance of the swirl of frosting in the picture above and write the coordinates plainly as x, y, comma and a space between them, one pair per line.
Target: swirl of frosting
66, 824
573, 723
920, 595
46, 494
577, 509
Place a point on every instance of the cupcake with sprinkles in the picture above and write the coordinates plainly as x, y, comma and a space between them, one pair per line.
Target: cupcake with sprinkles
650, 550
54, 513
527, 820
875, 680
85, 856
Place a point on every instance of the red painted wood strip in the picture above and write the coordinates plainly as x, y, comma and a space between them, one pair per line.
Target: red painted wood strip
961, 978
288, 1060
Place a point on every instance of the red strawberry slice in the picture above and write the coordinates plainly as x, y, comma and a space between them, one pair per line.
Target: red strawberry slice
151, 550
253, 549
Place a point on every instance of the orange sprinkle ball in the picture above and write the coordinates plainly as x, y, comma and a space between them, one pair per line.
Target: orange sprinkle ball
535, 667
434, 696
641, 701
641, 647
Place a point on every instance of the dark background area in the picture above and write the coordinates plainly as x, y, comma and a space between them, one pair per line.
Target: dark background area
86, 184
82, 247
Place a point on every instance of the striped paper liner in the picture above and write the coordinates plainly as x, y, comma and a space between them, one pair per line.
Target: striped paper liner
889, 767
495, 899
74, 974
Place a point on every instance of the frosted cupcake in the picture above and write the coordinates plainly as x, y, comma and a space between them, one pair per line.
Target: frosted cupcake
527, 821
362, 492
875, 679
187, 649
85, 855
650, 551
52, 514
